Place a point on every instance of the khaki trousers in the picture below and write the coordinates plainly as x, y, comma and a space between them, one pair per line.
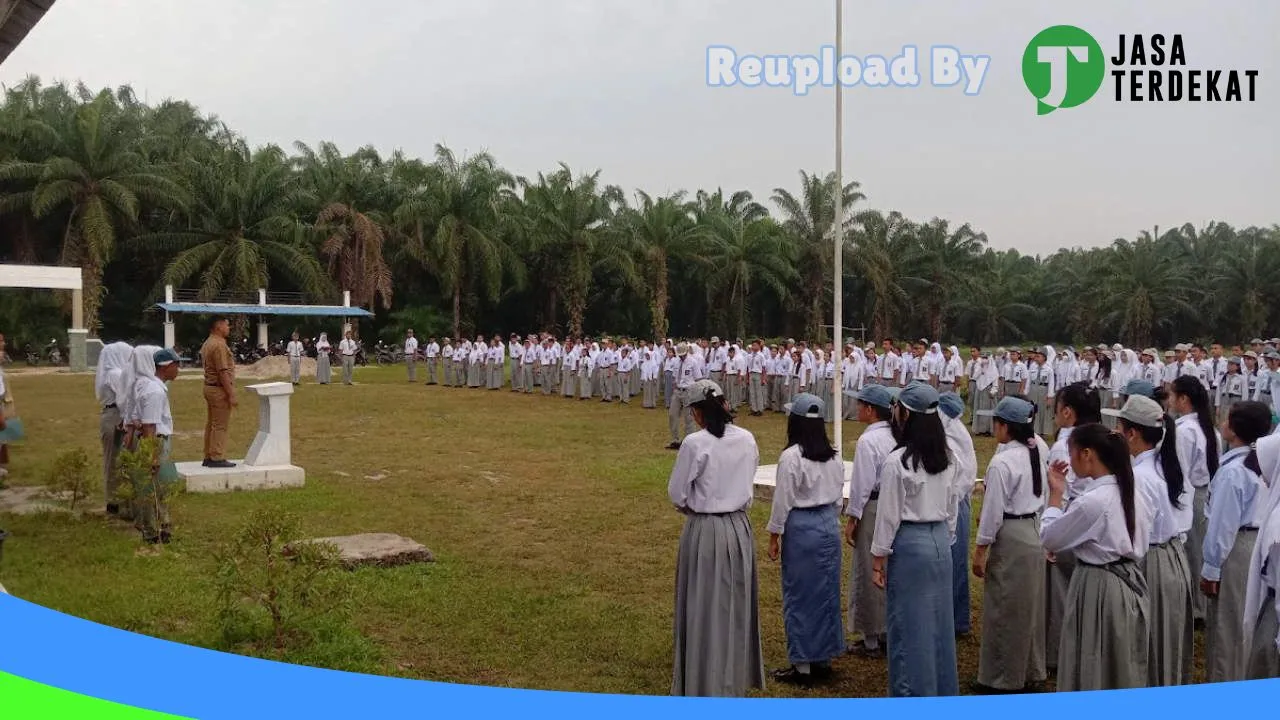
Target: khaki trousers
216, 423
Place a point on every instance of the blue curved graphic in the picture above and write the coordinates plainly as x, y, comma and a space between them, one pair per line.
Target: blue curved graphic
82, 657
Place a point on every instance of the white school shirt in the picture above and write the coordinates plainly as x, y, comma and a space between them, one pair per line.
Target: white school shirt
530, 355
714, 475
548, 356
294, 348
717, 357
1192, 455
924, 368
890, 365
1213, 371
671, 364
1007, 487
1263, 382
498, 354
1093, 525
739, 364
961, 444
971, 369
432, 350
802, 484
912, 495
348, 347
410, 345
1016, 372
626, 363
447, 351
909, 363
756, 362
1148, 479
687, 371
571, 363
151, 398
874, 445
1237, 501
516, 351
586, 364
951, 370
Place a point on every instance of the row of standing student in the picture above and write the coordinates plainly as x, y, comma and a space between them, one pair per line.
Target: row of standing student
1105, 510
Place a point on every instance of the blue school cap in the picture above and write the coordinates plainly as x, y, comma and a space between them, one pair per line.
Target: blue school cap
165, 357
919, 397
1139, 387
876, 396
951, 404
805, 405
1014, 410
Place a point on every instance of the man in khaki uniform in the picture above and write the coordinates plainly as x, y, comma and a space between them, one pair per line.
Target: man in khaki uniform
219, 392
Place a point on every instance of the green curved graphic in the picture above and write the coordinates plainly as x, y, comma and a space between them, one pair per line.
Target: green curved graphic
22, 699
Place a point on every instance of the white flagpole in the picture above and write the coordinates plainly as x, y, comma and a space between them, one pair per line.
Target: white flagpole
837, 325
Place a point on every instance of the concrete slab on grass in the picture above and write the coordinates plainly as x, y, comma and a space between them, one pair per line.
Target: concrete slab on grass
378, 549
200, 479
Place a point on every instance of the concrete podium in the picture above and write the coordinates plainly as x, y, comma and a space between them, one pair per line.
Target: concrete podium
268, 464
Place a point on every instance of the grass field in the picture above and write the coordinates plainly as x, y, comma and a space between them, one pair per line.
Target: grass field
554, 539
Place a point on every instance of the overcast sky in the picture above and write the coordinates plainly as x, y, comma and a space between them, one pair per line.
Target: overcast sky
620, 85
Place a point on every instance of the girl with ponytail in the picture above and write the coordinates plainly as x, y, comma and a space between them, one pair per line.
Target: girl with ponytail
1146, 427
1009, 556
1197, 446
1104, 627
1237, 499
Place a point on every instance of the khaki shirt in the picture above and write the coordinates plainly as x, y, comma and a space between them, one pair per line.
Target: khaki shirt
216, 358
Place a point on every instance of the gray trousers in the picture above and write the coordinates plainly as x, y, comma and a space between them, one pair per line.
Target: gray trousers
626, 387
111, 435
650, 393
717, 377
668, 386
679, 409
547, 380
295, 369
517, 376
412, 362
431, 371
584, 384
348, 368
527, 371
755, 392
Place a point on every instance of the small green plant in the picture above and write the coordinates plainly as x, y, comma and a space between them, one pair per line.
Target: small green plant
71, 476
139, 492
273, 589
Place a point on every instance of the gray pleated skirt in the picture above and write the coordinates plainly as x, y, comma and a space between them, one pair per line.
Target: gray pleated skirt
717, 614
1012, 655
1104, 630
1057, 581
866, 601
1036, 393
1195, 547
1225, 660
1169, 650
919, 621
982, 402
1264, 659
811, 560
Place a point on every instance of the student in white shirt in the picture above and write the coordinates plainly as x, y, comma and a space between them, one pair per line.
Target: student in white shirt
1104, 643
515, 349
155, 421
804, 530
949, 370
1262, 596
757, 377
586, 368
910, 549
717, 615
411, 354
294, 350
1008, 557
687, 373
1198, 444
108, 385
1232, 388
866, 601
961, 445
1237, 499
983, 392
347, 350
496, 363
626, 363
324, 370
432, 353
1159, 482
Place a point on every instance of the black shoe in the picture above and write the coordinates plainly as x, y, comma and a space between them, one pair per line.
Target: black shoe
792, 676
151, 540
113, 509
165, 536
862, 651
222, 464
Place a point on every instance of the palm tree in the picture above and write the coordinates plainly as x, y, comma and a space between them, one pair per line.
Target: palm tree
240, 227
945, 260
1147, 286
992, 307
96, 178
1247, 267
564, 223
746, 255
660, 231
454, 222
810, 221
352, 193
881, 244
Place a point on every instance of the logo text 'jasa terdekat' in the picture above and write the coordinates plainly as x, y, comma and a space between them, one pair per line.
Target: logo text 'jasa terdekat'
1154, 69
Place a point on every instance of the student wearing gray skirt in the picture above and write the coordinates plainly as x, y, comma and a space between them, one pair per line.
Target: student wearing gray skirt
1105, 626
1261, 609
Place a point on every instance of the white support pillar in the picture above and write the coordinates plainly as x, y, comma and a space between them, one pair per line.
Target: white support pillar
262, 296
169, 334
272, 445
77, 335
168, 293
264, 340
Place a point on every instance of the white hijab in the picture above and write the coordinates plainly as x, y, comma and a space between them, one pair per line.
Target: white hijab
323, 341
988, 373
1268, 449
141, 364
110, 372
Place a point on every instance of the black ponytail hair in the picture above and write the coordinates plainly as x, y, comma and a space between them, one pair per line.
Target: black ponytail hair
1084, 400
1164, 437
925, 442
716, 414
1104, 367
1113, 453
811, 435
1199, 397
1250, 420
1025, 433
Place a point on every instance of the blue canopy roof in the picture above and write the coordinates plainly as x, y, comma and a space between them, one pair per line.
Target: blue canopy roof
296, 310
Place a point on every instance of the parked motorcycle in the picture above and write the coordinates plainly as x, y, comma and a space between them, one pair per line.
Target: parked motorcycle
389, 354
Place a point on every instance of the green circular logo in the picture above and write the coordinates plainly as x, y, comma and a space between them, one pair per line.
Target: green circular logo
1063, 67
